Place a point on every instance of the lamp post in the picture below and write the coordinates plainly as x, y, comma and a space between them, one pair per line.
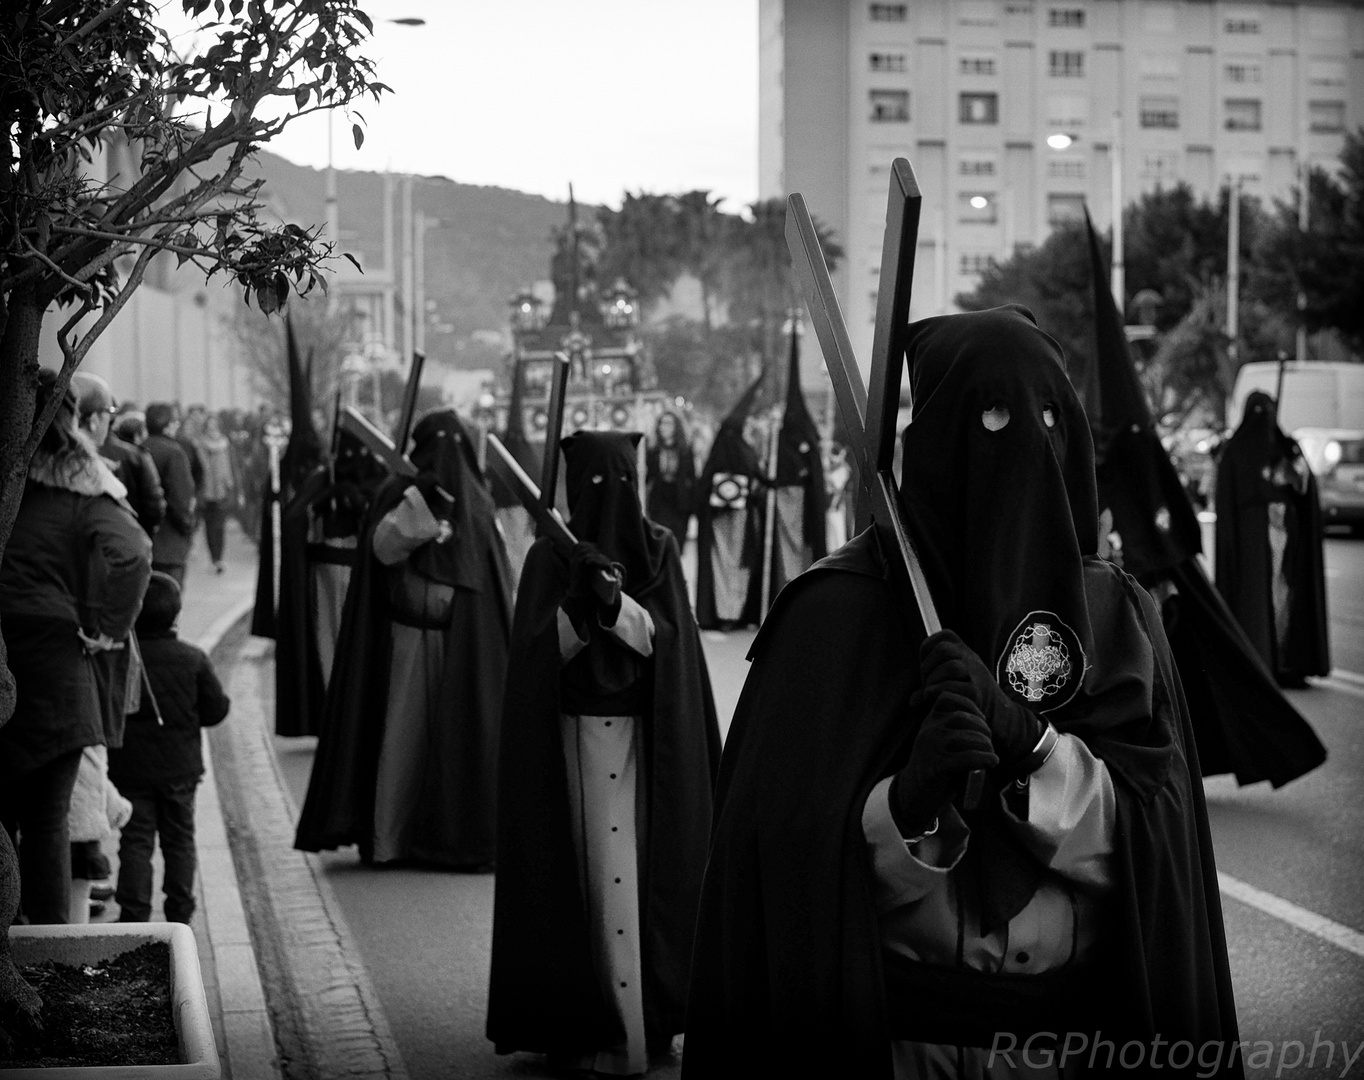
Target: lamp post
1062, 140
1304, 192
1233, 267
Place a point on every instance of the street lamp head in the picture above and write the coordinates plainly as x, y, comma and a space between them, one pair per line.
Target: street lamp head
1060, 140
979, 202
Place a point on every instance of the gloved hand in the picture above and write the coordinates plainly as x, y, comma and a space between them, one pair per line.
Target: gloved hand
594, 580
953, 740
439, 504
949, 666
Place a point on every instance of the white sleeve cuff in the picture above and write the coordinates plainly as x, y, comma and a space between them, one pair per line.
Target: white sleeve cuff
634, 627
902, 875
570, 644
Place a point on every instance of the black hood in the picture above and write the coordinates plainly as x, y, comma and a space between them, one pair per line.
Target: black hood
601, 479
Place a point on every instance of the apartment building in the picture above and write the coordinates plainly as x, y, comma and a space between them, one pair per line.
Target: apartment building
1017, 113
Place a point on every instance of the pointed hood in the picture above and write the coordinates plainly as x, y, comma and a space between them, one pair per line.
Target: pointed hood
799, 463
730, 452
304, 452
1152, 516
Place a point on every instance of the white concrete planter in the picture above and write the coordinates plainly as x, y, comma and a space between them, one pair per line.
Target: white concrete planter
101, 941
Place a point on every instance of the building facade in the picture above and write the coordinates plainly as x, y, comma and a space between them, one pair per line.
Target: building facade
1016, 114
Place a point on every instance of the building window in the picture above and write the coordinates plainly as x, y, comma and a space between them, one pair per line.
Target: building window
1326, 116
1066, 17
1067, 112
1242, 71
977, 208
977, 13
979, 109
1065, 209
976, 166
890, 106
1159, 112
975, 262
1067, 65
1243, 114
1066, 168
889, 12
1017, 9
887, 61
977, 64
1159, 66
1158, 167
1326, 71
1241, 23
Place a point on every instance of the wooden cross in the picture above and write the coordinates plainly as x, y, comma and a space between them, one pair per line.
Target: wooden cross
554, 422
869, 415
409, 410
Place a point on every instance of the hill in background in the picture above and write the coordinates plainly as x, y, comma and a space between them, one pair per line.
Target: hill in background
490, 242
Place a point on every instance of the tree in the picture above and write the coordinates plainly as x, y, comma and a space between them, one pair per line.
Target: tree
80, 78
322, 338
640, 243
1325, 264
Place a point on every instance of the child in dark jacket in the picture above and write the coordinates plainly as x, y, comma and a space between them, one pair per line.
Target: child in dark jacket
161, 761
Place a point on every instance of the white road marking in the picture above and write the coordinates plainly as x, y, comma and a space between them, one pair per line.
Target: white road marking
1337, 934
1347, 682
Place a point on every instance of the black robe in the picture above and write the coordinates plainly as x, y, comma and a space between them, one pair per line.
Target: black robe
671, 500
331, 503
788, 974
730, 455
457, 820
544, 994
1241, 720
1244, 563
800, 465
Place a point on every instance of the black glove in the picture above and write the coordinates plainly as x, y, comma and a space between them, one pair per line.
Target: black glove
594, 581
439, 504
953, 740
950, 666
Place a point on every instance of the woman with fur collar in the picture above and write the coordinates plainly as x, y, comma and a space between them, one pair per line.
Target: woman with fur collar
71, 584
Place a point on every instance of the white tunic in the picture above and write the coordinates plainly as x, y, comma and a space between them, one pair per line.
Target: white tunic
602, 758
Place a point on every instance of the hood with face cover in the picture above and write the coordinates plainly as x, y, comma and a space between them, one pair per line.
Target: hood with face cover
1008, 511
442, 446
601, 479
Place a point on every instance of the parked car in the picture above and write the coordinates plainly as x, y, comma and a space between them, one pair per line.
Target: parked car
1337, 457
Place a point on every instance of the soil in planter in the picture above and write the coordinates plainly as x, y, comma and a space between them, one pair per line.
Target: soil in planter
117, 1012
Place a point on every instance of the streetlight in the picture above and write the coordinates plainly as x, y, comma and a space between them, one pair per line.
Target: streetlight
1062, 140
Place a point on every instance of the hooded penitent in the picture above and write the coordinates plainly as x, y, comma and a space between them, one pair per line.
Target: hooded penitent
729, 524
545, 992
1242, 721
789, 971
302, 454
453, 822
799, 533
319, 530
1269, 556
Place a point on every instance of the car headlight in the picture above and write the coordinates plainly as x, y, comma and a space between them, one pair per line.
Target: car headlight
1331, 454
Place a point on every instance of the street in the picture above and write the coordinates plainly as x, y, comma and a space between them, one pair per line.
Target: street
1298, 967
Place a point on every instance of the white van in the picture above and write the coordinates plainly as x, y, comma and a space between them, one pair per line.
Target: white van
1323, 408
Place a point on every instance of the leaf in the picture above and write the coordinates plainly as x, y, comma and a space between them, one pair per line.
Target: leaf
301, 97
359, 134
353, 261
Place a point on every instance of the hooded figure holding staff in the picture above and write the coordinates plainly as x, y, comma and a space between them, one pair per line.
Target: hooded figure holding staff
853, 920
608, 756
406, 761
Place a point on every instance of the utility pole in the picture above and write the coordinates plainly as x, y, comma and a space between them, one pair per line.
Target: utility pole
409, 335
1234, 268
419, 224
1303, 223
1118, 275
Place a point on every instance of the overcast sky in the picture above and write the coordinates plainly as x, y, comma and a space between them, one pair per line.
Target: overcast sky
654, 95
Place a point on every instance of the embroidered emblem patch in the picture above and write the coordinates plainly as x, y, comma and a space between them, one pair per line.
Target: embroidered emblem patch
1043, 662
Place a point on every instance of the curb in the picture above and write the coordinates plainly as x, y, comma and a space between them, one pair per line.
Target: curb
324, 1018
248, 1035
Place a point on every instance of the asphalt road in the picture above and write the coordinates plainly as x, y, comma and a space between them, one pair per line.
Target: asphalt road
425, 935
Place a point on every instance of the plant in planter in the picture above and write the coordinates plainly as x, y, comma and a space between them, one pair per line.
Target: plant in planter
121, 146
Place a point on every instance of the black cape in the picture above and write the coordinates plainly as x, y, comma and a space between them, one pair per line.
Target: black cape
730, 455
1002, 507
1244, 567
544, 995
788, 973
800, 465
457, 825
1241, 719
331, 503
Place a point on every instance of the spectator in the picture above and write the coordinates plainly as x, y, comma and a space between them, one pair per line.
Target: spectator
73, 527
97, 812
191, 427
671, 472
219, 488
131, 464
161, 761
170, 545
